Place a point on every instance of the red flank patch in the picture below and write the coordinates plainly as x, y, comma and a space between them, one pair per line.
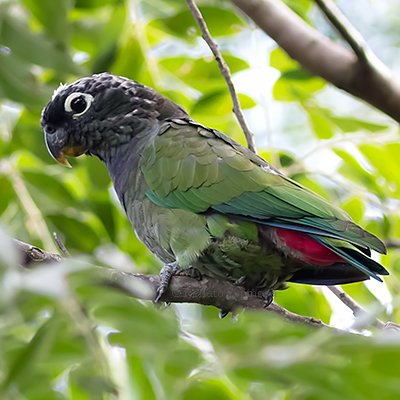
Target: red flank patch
312, 251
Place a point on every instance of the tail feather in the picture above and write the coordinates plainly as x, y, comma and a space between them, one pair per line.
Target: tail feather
335, 274
356, 259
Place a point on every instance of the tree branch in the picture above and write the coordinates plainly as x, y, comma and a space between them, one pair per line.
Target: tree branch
345, 28
185, 289
225, 71
182, 289
32, 254
371, 82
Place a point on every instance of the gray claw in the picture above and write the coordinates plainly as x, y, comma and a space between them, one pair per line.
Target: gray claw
223, 313
166, 273
268, 297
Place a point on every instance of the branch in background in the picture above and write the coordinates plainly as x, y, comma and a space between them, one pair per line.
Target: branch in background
205, 33
32, 254
393, 244
369, 81
358, 311
350, 34
345, 28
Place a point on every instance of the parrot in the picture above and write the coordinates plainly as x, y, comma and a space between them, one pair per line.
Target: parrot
199, 200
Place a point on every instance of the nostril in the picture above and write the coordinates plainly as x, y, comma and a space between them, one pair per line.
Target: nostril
49, 129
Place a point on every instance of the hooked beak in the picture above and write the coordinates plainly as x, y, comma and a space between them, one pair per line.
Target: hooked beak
59, 146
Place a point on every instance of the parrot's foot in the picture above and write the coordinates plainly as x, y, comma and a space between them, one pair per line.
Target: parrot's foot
166, 273
223, 313
191, 272
267, 296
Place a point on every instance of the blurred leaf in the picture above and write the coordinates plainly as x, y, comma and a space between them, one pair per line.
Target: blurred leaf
74, 229
34, 48
384, 160
281, 61
52, 14
18, 83
95, 3
355, 207
130, 60
320, 122
348, 124
295, 85
219, 103
210, 388
353, 170
201, 73
220, 22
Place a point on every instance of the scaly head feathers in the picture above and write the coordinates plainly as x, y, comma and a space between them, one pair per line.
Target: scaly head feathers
95, 114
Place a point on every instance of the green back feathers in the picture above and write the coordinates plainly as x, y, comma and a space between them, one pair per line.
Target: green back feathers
193, 168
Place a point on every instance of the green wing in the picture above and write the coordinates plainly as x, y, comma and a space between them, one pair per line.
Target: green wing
191, 167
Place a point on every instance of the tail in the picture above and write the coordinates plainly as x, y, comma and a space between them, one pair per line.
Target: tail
354, 257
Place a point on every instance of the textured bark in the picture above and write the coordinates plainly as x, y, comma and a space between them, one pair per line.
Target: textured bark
182, 289
185, 289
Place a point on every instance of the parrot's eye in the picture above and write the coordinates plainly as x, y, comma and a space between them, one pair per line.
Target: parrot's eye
78, 103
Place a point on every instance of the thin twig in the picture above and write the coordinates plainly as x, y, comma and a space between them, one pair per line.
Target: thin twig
205, 33
393, 244
357, 310
35, 222
60, 244
345, 28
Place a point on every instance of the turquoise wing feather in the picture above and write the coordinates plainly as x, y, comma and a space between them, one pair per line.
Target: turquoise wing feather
194, 168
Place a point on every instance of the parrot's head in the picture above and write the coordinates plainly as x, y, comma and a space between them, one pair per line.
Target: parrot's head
95, 114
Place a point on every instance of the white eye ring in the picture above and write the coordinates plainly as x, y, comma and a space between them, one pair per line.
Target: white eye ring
86, 102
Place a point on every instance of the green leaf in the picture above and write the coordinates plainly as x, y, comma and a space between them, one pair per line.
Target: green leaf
353, 170
349, 124
212, 389
355, 207
220, 21
320, 122
53, 15
296, 85
281, 61
17, 82
384, 160
34, 48
201, 73
220, 103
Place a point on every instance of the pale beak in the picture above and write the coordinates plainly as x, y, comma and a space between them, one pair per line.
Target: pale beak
57, 143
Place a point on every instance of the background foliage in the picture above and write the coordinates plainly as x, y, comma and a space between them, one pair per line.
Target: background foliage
64, 336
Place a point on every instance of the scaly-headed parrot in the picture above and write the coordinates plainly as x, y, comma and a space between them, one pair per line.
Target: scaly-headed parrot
198, 199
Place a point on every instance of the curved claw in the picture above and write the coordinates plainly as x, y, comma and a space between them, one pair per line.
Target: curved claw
268, 297
166, 273
223, 313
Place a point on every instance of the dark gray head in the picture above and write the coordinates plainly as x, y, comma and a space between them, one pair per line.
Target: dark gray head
97, 113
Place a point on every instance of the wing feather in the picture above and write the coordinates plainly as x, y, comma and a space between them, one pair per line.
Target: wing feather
191, 167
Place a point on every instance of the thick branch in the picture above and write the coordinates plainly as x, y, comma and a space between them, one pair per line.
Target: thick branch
225, 71
183, 289
207, 291
371, 82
